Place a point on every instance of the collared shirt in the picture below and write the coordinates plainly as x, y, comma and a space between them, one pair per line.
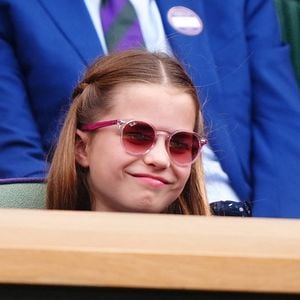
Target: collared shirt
217, 182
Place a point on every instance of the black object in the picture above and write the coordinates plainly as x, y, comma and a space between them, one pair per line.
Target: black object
231, 208
42, 292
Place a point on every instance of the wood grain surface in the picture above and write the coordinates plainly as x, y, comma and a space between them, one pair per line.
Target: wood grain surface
149, 251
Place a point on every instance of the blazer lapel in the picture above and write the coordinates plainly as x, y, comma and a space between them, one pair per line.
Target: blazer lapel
196, 55
72, 19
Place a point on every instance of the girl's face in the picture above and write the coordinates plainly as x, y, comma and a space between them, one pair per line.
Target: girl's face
119, 181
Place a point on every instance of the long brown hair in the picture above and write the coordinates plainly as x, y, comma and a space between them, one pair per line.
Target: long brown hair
67, 186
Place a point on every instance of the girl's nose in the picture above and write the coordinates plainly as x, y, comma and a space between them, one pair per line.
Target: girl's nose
158, 156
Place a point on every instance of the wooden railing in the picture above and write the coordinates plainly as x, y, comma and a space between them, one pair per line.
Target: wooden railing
143, 251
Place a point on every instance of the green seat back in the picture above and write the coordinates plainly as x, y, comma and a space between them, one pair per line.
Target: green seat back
289, 15
23, 195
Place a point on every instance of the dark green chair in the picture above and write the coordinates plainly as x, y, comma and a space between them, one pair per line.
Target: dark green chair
22, 193
289, 16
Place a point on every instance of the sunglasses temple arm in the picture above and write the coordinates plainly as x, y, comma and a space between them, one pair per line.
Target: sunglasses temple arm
97, 125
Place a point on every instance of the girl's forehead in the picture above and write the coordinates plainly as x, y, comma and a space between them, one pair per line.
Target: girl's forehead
141, 94
155, 103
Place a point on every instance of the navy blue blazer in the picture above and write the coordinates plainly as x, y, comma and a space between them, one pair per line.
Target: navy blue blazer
250, 98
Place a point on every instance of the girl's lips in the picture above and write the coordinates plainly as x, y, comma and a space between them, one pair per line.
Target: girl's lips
151, 180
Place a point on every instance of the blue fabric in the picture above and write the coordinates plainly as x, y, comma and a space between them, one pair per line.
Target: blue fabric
22, 180
252, 102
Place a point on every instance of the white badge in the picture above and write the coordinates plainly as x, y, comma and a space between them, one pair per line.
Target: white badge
185, 20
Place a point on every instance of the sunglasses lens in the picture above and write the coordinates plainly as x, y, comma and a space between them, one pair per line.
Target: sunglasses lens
138, 137
184, 147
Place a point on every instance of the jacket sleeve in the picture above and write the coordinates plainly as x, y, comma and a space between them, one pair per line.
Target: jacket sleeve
276, 115
21, 151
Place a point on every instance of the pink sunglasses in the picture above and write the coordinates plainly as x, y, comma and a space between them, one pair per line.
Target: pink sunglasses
139, 137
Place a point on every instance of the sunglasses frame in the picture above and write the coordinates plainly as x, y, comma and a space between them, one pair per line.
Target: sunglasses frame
123, 123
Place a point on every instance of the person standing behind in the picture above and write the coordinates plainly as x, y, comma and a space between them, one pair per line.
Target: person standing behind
240, 65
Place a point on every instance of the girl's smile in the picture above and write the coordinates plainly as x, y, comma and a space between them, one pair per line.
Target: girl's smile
151, 180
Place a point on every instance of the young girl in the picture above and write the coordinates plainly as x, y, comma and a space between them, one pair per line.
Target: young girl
131, 140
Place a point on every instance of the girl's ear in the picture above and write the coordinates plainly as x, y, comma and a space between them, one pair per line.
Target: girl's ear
81, 148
